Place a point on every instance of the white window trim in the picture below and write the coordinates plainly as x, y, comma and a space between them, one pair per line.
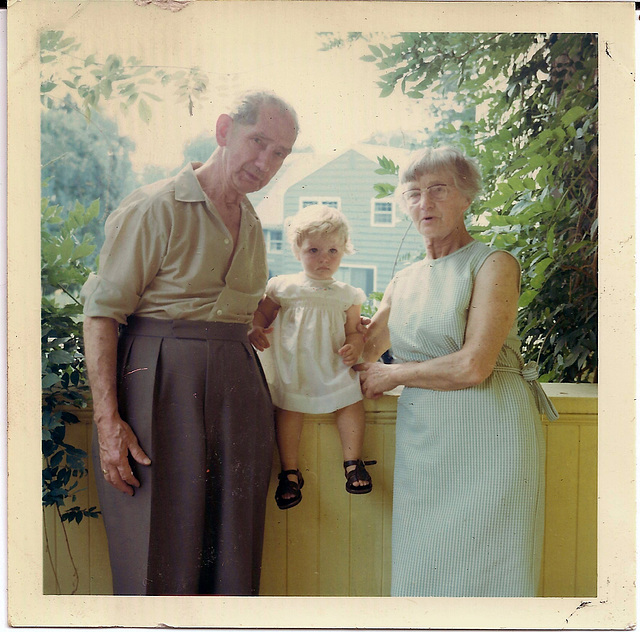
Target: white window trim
366, 267
269, 240
394, 217
319, 199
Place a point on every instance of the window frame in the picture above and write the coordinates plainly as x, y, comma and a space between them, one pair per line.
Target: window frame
362, 266
319, 199
394, 220
268, 239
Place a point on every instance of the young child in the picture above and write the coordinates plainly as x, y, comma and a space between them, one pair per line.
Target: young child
309, 348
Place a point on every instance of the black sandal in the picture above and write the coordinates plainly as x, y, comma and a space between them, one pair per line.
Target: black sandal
358, 474
286, 486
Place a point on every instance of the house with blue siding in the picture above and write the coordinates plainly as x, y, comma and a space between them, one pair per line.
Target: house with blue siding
382, 234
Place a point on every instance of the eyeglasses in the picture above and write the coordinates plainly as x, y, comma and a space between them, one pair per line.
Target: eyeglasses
437, 192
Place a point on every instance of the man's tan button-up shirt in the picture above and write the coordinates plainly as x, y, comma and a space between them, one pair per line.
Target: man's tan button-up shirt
167, 254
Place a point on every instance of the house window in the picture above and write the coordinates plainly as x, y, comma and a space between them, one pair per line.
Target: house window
273, 240
333, 202
358, 276
383, 213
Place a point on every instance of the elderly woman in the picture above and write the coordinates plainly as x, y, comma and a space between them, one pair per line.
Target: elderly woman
469, 473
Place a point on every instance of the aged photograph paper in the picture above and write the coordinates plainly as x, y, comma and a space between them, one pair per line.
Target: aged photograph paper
78, 132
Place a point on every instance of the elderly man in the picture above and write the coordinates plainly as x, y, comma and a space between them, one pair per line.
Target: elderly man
183, 419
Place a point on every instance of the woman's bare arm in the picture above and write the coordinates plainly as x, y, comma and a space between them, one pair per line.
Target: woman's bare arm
377, 339
492, 311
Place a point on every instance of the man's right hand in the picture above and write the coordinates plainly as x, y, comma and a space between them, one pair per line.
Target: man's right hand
115, 437
117, 440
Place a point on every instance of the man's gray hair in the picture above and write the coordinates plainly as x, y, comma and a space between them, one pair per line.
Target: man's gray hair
246, 108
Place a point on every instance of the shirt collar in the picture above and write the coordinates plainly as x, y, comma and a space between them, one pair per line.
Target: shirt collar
188, 188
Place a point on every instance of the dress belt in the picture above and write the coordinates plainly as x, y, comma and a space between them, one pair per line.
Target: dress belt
194, 329
530, 374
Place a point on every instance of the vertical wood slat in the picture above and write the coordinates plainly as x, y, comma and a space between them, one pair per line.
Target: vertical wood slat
387, 480
99, 567
274, 556
561, 510
367, 534
70, 542
305, 547
334, 524
303, 522
587, 524
49, 548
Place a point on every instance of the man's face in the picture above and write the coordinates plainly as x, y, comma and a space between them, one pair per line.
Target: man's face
254, 153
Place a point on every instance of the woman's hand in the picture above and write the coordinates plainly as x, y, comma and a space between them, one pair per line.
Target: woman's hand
376, 378
258, 337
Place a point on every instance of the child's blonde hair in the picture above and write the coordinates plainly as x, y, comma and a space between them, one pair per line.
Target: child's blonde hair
318, 219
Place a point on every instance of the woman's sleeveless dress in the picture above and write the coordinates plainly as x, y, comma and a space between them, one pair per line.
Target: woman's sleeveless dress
468, 506
302, 365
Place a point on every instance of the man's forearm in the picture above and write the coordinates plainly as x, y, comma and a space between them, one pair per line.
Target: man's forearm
101, 349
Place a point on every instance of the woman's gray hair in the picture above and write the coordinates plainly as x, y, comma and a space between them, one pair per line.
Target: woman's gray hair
247, 106
464, 171
318, 219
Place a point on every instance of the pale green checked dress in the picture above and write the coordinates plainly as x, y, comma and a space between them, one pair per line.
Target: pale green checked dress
468, 504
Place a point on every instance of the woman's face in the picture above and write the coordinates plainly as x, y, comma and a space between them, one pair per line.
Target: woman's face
435, 205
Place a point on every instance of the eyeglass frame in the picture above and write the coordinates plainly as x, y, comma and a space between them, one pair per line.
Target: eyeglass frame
427, 190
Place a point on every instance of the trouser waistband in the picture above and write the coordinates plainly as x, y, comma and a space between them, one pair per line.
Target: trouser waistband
197, 329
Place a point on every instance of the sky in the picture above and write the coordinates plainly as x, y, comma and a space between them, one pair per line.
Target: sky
334, 92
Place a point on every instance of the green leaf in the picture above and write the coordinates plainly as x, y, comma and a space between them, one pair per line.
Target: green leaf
515, 183
526, 297
49, 379
66, 248
93, 210
60, 356
82, 250
144, 111
551, 237
573, 115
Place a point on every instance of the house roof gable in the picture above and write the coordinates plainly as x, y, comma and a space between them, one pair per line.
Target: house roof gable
270, 208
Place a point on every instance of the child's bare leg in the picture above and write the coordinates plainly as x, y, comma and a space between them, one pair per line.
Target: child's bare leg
351, 425
288, 432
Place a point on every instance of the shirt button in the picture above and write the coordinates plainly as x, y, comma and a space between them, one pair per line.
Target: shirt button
219, 312
226, 241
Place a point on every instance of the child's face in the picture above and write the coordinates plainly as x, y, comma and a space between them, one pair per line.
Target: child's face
320, 255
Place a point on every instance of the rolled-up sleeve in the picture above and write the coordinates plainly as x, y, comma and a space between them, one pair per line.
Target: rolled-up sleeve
135, 243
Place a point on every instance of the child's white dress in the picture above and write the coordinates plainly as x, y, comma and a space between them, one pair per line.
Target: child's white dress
302, 366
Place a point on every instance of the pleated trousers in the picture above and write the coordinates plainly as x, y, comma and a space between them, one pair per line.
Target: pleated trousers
196, 398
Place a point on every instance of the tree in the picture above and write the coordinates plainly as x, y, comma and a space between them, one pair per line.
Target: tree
84, 160
199, 149
526, 107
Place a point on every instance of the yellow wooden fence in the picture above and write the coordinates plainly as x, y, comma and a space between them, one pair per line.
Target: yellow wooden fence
338, 544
